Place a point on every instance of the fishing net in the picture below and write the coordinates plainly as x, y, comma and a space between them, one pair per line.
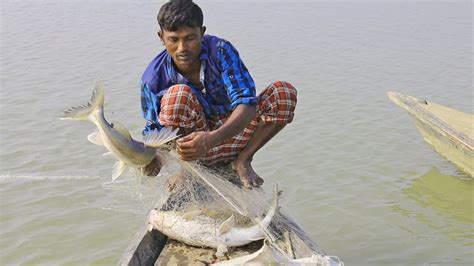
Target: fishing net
217, 193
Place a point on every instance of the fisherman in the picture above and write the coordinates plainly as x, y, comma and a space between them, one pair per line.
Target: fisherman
200, 84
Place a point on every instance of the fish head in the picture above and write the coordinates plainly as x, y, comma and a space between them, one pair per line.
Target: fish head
154, 219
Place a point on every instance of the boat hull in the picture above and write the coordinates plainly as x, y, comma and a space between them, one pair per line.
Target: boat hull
154, 248
145, 248
448, 131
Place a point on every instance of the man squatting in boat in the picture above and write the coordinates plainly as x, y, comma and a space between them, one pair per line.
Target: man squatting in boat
200, 84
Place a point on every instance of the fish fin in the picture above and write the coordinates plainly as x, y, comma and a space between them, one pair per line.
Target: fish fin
121, 129
227, 225
95, 138
81, 112
157, 138
221, 250
119, 168
191, 214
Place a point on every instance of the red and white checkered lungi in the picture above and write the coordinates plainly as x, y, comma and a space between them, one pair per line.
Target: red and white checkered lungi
181, 108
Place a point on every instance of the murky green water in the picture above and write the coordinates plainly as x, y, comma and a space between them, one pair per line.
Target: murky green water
354, 171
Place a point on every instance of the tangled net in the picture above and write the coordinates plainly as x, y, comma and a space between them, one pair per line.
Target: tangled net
217, 193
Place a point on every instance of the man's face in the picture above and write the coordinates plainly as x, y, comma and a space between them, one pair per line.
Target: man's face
184, 46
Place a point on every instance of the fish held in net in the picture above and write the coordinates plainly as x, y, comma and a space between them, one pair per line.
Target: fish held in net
198, 229
267, 255
116, 138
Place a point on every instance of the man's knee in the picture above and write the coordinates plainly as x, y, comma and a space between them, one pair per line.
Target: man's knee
181, 108
277, 103
285, 86
179, 88
177, 91
177, 97
285, 94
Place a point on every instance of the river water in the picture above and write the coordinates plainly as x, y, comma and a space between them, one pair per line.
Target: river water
354, 171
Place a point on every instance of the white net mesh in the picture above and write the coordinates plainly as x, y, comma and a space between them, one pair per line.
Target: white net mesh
217, 193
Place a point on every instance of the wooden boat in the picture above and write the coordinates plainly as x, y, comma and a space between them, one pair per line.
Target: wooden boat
450, 132
154, 248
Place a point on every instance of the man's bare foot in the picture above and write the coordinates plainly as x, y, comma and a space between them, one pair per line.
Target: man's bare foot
175, 181
247, 175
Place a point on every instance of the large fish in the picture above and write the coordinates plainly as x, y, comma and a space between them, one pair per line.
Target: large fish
116, 137
198, 229
267, 255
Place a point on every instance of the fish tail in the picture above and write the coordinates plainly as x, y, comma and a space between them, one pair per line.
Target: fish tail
82, 112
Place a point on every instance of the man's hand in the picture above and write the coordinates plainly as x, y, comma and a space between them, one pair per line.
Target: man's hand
153, 168
194, 145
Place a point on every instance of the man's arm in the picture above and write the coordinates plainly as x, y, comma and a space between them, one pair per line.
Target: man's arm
148, 108
197, 144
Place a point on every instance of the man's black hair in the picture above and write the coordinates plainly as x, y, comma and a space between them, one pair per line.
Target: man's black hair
179, 13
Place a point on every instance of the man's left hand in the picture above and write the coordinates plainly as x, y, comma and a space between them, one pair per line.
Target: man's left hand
194, 145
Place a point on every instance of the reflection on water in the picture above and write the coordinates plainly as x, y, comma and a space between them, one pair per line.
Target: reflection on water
448, 196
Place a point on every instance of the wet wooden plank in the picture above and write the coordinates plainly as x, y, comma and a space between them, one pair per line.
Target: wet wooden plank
145, 248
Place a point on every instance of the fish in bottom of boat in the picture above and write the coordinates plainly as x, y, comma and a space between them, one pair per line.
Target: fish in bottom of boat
267, 255
197, 229
116, 138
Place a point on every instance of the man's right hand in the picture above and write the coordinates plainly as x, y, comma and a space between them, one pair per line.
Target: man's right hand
194, 145
153, 168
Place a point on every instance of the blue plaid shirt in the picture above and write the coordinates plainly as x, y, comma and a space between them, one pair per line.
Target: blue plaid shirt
227, 82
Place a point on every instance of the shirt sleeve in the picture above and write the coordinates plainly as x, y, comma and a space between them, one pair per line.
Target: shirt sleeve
240, 85
150, 109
